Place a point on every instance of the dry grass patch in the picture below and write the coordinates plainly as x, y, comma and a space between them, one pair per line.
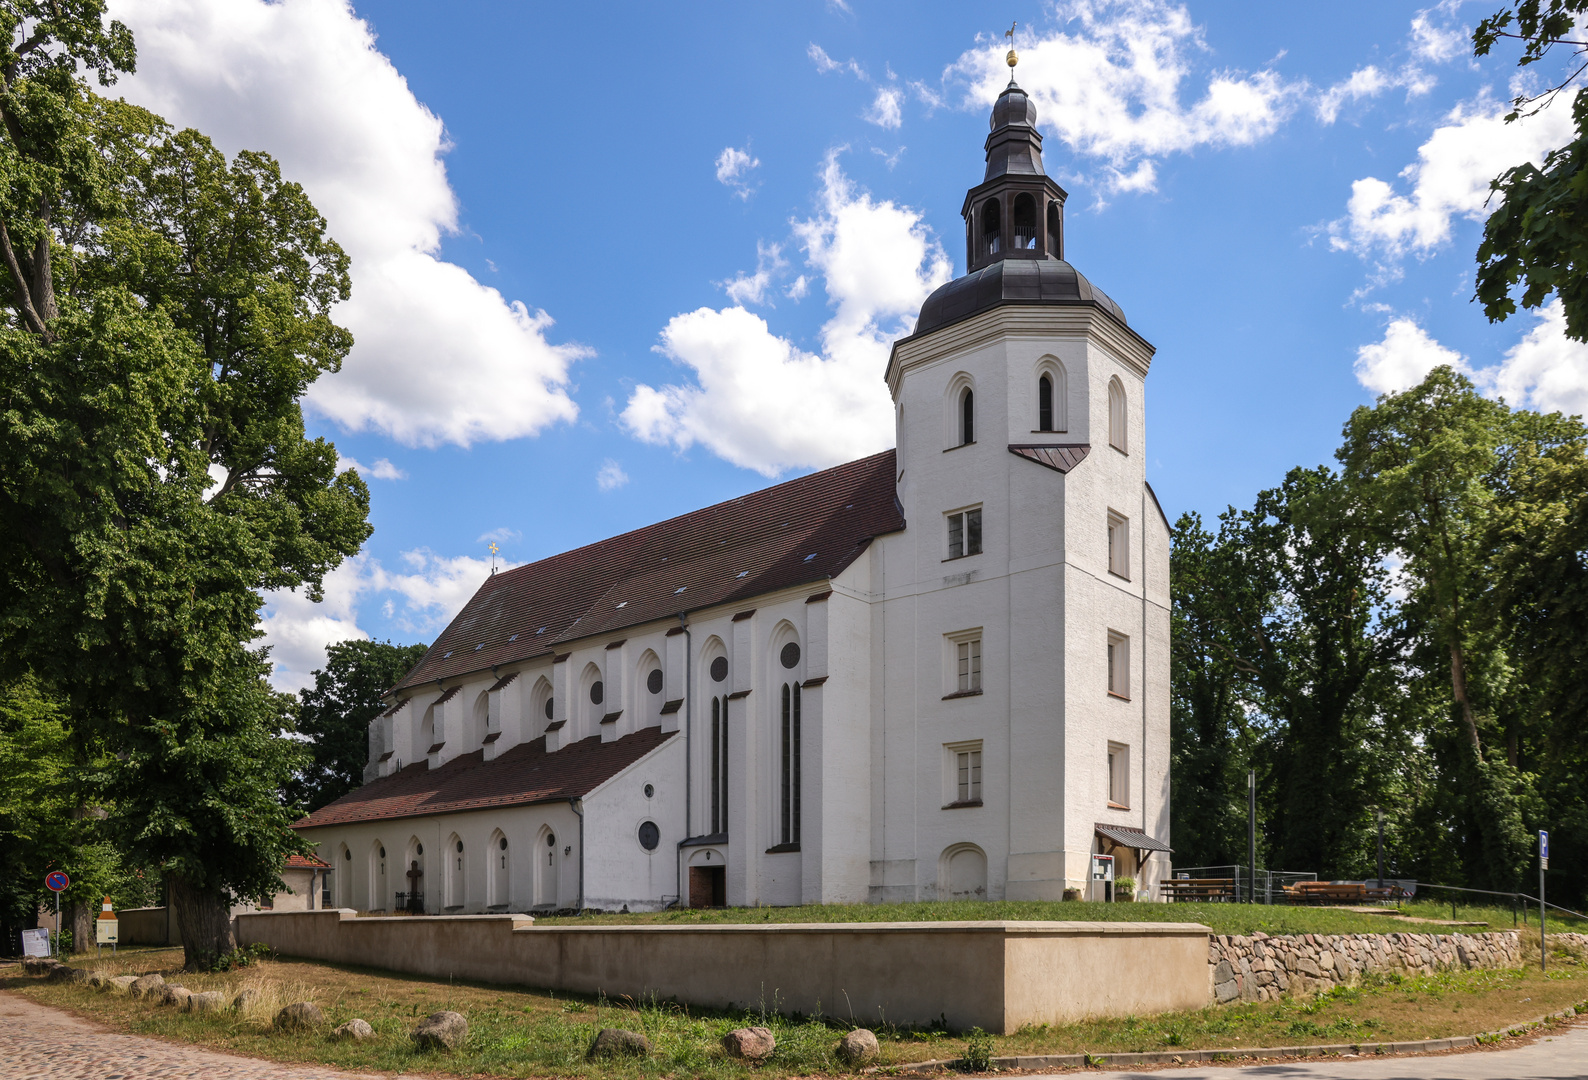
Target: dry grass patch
514, 1031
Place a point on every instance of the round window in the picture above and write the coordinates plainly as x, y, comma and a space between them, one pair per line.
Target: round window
460, 847
649, 791
653, 681
502, 843
597, 692
383, 853
551, 839
719, 669
347, 855
790, 654
650, 835
548, 708
419, 849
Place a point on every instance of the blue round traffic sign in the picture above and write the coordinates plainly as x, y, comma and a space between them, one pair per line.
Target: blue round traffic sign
57, 881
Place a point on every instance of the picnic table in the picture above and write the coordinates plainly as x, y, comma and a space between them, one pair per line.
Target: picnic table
1329, 892
1182, 889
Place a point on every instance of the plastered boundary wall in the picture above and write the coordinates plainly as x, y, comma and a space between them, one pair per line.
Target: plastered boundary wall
994, 975
1264, 968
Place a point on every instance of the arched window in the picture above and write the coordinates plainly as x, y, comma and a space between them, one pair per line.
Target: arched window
497, 870
482, 721
1045, 403
1117, 416
379, 895
719, 764
789, 764
991, 231
1055, 232
1025, 222
454, 874
967, 417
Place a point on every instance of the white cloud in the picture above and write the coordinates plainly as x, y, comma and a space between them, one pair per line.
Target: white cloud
440, 357
886, 110
733, 169
1116, 84
1437, 43
1545, 370
1403, 358
751, 288
611, 476
763, 403
383, 469
499, 535
825, 64
1450, 179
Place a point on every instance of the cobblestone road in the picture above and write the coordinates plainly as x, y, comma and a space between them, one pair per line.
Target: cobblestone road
36, 1041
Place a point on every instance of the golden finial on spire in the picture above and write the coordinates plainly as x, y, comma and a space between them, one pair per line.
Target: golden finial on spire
494, 550
1012, 59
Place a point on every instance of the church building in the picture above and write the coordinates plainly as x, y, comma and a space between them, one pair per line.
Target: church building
940, 672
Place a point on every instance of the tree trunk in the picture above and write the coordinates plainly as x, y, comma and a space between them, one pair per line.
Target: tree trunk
79, 919
1458, 685
204, 921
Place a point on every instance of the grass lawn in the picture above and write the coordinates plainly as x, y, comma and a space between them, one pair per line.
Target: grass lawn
1221, 918
519, 1032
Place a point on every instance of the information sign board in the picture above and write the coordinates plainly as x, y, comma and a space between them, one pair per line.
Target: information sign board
1102, 868
106, 932
36, 942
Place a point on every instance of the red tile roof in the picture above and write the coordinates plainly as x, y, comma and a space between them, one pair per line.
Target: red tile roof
525, 774
306, 862
795, 533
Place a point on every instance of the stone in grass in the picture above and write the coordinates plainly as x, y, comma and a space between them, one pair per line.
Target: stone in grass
751, 1044
173, 995
616, 1042
121, 983
245, 997
39, 965
441, 1031
68, 974
299, 1016
355, 1030
857, 1047
208, 1001
145, 985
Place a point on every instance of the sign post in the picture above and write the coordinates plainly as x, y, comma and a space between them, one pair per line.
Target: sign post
1543, 864
107, 928
56, 881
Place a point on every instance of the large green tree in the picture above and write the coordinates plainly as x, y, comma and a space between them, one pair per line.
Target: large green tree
154, 471
334, 715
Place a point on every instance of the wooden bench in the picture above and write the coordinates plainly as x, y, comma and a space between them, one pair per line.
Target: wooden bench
1325, 892
1182, 889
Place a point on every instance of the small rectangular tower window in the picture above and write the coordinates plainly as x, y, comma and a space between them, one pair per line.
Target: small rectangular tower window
1118, 776
964, 773
964, 533
1118, 545
1118, 665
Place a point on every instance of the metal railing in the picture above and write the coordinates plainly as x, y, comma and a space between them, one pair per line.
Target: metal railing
1263, 887
411, 902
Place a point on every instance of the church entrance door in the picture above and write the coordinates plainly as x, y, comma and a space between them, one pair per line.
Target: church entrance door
708, 886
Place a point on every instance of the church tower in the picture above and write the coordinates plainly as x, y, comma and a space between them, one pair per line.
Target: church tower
1025, 726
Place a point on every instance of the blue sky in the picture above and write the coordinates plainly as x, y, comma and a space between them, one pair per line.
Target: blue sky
612, 266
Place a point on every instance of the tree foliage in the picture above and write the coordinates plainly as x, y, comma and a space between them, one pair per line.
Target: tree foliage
167, 309
335, 713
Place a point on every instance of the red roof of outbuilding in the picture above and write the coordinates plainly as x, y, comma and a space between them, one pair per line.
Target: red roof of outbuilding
525, 774
306, 862
795, 533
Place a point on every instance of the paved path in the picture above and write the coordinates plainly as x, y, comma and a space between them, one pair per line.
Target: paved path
1562, 1056
36, 1041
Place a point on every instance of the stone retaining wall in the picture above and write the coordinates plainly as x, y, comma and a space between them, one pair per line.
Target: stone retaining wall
1263, 968
1574, 942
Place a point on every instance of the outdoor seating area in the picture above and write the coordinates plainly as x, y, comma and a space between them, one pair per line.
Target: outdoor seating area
1199, 889
1342, 892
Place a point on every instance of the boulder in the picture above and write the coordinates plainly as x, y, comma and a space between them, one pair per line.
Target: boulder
208, 1001
857, 1048
174, 995
355, 1030
299, 1016
245, 997
39, 965
751, 1044
441, 1031
615, 1042
65, 974
145, 985
122, 983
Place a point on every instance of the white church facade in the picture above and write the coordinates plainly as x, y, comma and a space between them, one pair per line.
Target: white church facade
938, 672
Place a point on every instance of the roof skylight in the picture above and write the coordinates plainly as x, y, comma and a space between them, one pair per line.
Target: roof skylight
811, 556
446, 654
480, 646
513, 638
623, 603
680, 589
741, 573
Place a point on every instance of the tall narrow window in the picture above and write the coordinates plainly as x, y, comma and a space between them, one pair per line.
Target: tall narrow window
719, 764
967, 417
968, 665
1055, 232
1116, 416
991, 231
790, 771
967, 768
1118, 545
1025, 222
1118, 665
1045, 403
964, 533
